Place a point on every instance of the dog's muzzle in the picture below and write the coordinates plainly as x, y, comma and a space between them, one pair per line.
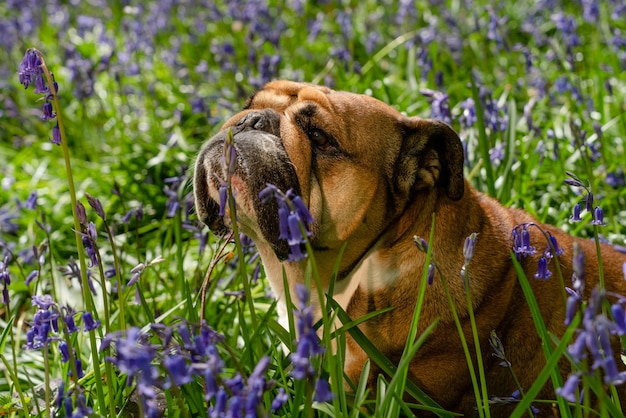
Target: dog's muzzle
261, 160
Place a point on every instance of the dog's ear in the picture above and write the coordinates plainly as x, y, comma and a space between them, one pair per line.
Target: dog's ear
431, 156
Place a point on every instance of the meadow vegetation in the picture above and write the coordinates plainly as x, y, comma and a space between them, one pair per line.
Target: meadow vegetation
116, 301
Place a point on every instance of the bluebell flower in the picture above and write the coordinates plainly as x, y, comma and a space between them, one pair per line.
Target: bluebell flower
178, 369
497, 349
439, 105
521, 242
542, 271
68, 405
576, 215
468, 115
65, 352
468, 247
558, 251
322, 391
60, 396
591, 11
567, 26
5, 279
134, 356
573, 301
294, 219
431, 274
70, 323
91, 250
96, 205
31, 276
218, 410
89, 324
598, 217
281, 399
615, 179
568, 391
56, 135
420, 243
45, 321
31, 202
48, 112
496, 116
82, 410
30, 68
496, 154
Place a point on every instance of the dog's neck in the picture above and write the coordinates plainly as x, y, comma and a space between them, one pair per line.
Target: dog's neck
382, 266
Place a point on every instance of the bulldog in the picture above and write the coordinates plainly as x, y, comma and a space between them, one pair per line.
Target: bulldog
372, 179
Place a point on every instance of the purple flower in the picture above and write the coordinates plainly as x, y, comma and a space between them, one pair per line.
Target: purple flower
96, 205
567, 26
65, 352
439, 106
134, 357
576, 215
615, 179
431, 274
91, 250
558, 251
82, 410
542, 271
421, 243
45, 321
496, 154
598, 217
31, 202
591, 11
5, 279
281, 399
31, 276
70, 323
89, 324
308, 343
30, 68
56, 135
48, 112
496, 117
322, 391
468, 116
521, 242
568, 391
468, 247
178, 369
619, 317
294, 219
573, 300
81, 214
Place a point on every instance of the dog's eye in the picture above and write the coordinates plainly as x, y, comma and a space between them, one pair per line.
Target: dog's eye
319, 138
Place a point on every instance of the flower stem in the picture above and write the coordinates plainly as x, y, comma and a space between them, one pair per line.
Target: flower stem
118, 276
77, 228
479, 357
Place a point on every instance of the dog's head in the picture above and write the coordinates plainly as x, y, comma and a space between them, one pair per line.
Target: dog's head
356, 162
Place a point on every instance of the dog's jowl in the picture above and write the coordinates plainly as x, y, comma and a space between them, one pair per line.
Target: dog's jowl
372, 180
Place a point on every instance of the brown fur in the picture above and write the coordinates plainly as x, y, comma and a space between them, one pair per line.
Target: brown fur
391, 175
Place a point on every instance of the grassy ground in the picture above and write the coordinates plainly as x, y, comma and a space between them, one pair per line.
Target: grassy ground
535, 89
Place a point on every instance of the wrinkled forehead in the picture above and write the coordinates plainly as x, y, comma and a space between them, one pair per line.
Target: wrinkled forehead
280, 95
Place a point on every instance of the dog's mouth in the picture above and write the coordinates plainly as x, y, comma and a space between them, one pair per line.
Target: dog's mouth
261, 159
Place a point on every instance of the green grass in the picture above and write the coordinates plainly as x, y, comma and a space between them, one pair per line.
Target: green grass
141, 87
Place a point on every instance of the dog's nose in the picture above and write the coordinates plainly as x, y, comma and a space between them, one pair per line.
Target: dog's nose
266, 120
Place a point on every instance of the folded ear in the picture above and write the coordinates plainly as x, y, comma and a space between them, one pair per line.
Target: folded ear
431, 156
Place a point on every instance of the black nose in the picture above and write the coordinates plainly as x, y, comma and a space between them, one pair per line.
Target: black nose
266, 120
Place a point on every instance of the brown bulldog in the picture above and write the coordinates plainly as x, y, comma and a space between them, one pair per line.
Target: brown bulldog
372, 179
